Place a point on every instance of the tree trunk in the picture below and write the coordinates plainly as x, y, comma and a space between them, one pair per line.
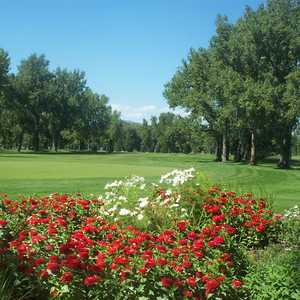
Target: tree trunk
218, 151
36, 140
238, 152
20, 141
285, 150
253, 148
81, 145
224, 148
55, 141
227, 149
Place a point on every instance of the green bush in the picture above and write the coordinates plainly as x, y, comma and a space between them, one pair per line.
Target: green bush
290, 233
274, 276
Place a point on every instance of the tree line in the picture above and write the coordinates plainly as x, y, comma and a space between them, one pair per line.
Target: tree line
242, 93
50, 110
245, 87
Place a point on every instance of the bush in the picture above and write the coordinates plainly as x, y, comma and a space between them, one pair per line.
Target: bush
276, 275
290, 233
190, 243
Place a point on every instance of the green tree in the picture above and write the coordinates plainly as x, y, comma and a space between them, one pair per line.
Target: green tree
66, 91
32, 85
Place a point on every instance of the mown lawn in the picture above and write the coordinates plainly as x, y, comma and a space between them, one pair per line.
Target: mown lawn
28, 173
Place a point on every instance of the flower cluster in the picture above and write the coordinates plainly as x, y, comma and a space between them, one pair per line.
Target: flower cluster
74, 250
292, 213
142, 202
177, 177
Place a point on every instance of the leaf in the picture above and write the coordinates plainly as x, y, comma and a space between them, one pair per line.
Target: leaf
65, 289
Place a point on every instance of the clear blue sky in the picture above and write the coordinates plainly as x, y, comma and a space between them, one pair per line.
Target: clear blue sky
128, 48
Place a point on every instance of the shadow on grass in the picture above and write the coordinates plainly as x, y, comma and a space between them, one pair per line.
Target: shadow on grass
29, 153
270, 162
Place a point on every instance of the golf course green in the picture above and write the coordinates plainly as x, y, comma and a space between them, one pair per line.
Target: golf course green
41, 174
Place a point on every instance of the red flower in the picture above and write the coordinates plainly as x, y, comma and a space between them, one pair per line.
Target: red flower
236, 283
90, 280
192, 235
166, 281
121, 260
52, 230
142, 270
66, 277
150, 262
161, 261
44, 274
260, 228
218, 218
261, 204
216, 241
220, 278
191, 281
187, 293
53, 267
198, 254
3, 223
182, 225
210, 286
39, 261
229, 229
198, 244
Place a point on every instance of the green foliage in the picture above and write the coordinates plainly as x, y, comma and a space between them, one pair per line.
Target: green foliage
246, 83
290, 232
6, 284
276, 275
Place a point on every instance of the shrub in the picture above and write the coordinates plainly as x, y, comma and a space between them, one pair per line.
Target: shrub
87, 248
275, 275
290, 233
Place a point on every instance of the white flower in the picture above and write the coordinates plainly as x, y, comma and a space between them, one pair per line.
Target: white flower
134, 181
114, 208
143, 202
168, 192
140, 217
178, 198
113, 184
124, 212
134, 213
177, 177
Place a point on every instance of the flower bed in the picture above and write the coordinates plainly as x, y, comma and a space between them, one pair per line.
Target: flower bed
77, 247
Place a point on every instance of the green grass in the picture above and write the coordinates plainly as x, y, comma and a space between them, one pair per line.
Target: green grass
28, 173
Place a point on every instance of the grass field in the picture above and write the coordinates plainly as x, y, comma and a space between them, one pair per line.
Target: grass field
28, 173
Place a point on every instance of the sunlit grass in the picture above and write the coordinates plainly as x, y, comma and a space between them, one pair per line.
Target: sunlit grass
28, 173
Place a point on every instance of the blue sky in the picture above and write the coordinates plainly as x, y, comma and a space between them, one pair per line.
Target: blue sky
128, 48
